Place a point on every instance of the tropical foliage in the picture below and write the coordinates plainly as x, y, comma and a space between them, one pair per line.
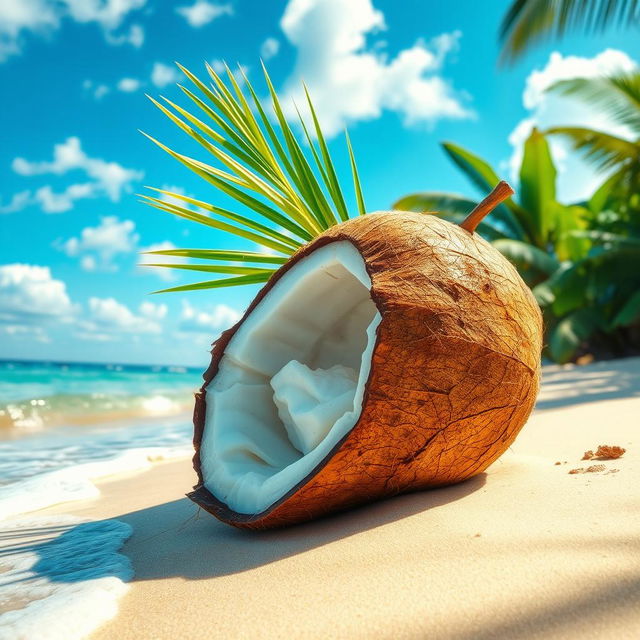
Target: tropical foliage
288, 195
528, 22
585, 279
618, 98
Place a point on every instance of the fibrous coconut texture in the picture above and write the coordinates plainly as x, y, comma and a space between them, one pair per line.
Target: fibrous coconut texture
394, 352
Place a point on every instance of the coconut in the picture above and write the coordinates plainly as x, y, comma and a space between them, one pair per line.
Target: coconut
394, 352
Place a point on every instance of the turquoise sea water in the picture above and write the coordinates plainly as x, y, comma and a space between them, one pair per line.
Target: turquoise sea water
59, 415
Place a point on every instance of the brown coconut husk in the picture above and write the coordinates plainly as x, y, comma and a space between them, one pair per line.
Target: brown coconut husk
454, 374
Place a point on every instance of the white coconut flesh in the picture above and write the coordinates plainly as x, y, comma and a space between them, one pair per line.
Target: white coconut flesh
291, 381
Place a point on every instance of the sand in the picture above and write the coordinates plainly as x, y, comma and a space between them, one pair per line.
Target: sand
526, 550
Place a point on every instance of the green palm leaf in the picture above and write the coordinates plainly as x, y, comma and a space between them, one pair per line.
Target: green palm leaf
571, 332
257, 278
531, 262
618, 96
629, 313
538, 187
288, 198
603, 150
485, 178
528, 22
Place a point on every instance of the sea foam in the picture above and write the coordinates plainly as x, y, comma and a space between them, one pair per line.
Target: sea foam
76, 482
61, 576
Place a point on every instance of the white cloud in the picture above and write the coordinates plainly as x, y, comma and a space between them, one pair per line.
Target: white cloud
25, 332
128, 85
97, 91
203, 12
163, 74
134, 37
349, 81
22, 18
269, 48
108, 178
98, 246
108, 316
194, 320
576, 180
30, 292
18, 202
153, 311
109, 14
52, 202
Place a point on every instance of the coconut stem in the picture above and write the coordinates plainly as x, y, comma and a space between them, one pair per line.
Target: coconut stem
500, 193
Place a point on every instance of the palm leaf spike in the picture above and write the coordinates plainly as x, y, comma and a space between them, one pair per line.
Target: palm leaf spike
288, 198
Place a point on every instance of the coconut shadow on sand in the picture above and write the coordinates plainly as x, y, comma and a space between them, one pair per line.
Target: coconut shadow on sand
166, 535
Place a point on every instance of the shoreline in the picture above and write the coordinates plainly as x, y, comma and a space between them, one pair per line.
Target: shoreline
524, 550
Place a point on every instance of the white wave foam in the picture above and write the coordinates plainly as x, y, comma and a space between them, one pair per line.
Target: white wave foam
75, 482
63, 577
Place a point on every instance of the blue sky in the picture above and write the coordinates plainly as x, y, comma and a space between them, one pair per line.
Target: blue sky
403, 76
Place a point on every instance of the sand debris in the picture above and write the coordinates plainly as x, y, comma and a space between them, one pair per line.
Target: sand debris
606, 452
594, 468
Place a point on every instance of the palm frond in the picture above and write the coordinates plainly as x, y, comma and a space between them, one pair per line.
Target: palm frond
244, 257
603, 150
529, 22
617, 95
289, 190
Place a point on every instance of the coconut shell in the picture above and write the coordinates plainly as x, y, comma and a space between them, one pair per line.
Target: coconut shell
454, 375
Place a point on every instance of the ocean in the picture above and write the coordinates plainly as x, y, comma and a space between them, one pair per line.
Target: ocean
63, 426
61, 417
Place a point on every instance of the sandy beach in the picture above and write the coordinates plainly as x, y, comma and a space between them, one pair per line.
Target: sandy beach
525, 550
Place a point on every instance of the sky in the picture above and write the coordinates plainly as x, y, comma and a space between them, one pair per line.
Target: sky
402, 76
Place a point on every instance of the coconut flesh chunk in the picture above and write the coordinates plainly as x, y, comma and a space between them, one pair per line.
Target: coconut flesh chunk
291, 381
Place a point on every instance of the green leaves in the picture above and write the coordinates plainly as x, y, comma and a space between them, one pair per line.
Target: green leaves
629, 313
617, 95
290, 195
537, 187
533, 264
603, 150
528, 22
571, 332
582, 261
485, 178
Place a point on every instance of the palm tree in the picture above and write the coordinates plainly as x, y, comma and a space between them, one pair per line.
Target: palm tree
527, 22
533, 233
585, 278
618, 97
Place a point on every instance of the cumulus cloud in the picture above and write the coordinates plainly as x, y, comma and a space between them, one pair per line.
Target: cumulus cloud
98, 246
97, 91
128, 85
29, 292
576, 180
58, 202
350, 81
269, 48
202, 12
193, 320
22, 19
107, 178
164, 74
108, 317
134, 36
17, 202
